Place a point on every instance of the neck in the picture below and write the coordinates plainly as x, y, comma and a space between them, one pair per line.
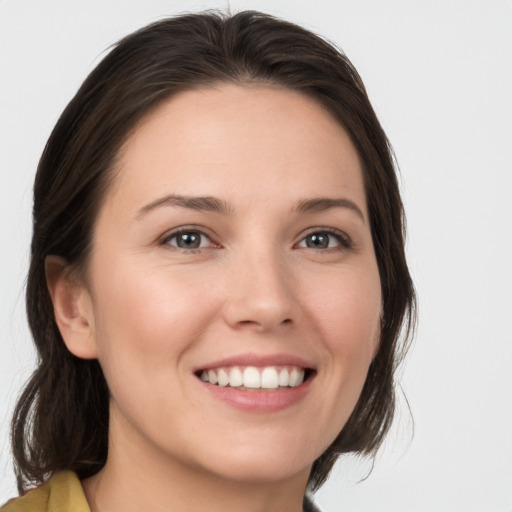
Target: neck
116, 490
140, 478
105, 492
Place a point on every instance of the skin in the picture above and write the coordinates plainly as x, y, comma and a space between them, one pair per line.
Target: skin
152, 312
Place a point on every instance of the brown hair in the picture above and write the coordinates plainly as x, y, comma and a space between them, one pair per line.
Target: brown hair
61, 419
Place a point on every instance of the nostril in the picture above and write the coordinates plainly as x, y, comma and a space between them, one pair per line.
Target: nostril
247, 322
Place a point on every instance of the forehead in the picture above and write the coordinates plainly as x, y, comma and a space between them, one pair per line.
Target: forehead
250, 140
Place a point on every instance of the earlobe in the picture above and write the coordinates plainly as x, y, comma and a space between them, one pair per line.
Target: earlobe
72, 308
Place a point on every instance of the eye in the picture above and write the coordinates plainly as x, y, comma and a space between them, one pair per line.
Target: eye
188, 239
325, 239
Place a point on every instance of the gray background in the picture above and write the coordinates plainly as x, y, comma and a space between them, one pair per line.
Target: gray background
439, 73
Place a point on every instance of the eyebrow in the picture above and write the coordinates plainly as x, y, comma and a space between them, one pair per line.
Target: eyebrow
201, 203
322, 204
216, 205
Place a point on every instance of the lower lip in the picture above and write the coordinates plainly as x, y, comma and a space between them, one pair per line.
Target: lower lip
259, 400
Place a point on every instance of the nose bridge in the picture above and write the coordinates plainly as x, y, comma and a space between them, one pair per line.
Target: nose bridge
261, 291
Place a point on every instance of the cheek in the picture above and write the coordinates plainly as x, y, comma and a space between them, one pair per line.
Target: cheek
146, 321
347, 316
347, 312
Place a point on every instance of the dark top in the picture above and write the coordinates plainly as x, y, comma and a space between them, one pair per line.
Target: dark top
308, 505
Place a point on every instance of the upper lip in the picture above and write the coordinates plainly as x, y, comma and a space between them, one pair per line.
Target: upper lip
260, 360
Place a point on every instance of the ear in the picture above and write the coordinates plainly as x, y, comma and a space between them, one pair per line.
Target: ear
72, 307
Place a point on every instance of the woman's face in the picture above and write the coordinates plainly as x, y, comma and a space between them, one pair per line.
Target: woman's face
234, 246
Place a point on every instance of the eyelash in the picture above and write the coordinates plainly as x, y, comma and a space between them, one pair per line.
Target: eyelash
343, 240
189, 231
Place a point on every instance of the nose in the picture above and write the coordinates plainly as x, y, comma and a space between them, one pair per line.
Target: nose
261, 295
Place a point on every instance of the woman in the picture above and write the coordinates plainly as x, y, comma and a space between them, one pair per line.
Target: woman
217, 280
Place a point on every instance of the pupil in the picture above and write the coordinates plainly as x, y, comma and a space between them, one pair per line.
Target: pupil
318, 240
189, 240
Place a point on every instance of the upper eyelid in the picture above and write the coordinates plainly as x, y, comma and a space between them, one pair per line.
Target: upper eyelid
331, 231
345, 238
169, 235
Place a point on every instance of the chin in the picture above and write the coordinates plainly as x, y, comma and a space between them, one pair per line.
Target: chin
262, 458
260, 469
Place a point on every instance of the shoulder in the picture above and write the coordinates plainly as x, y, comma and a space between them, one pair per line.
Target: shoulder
62, 493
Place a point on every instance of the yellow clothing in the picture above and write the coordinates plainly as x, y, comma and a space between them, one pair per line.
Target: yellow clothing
62, 493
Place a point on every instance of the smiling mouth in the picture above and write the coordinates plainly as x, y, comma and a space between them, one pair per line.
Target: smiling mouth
252, 378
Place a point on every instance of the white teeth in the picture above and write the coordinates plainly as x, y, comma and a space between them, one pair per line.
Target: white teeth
223, 377
284, 377
235, 377
270, 377
212, 376
252, 377
294, 377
